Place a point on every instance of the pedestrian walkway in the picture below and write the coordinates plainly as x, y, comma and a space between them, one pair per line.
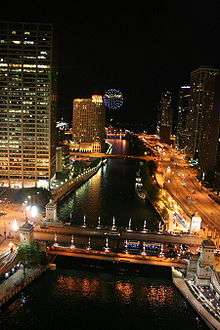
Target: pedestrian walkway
18, 282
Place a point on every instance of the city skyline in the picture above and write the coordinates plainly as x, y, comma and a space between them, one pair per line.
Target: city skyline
142, 51
127, 184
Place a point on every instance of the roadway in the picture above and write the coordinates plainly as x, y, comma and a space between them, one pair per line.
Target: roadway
181, 182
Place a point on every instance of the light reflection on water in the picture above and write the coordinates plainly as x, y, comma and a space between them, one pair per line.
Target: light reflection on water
85, 287
125, 291
81, 299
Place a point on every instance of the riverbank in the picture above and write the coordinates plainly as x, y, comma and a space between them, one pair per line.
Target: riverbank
181, 285
71, 185
17, 282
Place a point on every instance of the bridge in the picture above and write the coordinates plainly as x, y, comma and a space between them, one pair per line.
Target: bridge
116, 257
116, 238
112, 156
114, 135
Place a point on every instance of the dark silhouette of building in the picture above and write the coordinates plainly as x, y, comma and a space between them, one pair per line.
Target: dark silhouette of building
210, 126
199, 111
165, 117
184, 114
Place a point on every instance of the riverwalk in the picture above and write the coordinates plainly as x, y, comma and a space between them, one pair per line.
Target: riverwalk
17, 282
210, 320
61, 192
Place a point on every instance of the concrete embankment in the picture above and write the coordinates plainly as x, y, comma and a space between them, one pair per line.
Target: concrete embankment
181, 285
73, 184
17, 282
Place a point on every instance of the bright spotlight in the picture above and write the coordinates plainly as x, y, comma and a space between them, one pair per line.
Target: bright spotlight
34, 211
15, 225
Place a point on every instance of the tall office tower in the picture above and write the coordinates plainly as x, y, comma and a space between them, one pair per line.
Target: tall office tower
27, 104
198, 79
89, 123
182, 132
210, 126
165, 122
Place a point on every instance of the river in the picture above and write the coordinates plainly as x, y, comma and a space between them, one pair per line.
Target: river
82, 296
111, 192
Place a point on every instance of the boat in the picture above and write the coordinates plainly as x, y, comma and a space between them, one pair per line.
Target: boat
139, 187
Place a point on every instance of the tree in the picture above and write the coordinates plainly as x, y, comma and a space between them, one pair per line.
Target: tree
29, 254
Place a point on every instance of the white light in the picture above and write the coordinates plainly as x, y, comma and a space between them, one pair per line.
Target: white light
34, 211
15, 225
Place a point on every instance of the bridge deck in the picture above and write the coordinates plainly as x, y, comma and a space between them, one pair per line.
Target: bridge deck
65, 232
116, 257
116, 156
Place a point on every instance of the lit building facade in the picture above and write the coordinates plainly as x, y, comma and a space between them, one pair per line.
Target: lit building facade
199, 109
165, 119
184, 114
27, 104
89, 124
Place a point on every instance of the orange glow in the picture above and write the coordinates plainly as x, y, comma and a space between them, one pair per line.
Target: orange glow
125, 290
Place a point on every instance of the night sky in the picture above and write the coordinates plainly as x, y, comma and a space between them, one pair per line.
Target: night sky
141, 50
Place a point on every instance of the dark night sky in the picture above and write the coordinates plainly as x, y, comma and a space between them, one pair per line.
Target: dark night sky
141, 50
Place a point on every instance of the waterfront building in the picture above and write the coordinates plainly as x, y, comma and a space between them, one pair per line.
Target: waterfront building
184, 112
89, 124
199, 110
165, 117
27, 105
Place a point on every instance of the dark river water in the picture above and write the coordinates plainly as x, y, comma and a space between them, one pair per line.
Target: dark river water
111, 192
81, 296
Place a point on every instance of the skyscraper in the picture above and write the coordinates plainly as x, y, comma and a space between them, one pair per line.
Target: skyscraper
210, 126
27, 104
182, 132
165, 119
89, 123
198, 108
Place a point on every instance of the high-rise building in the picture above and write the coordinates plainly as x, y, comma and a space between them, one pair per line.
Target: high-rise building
184, 113
198, 106
165, 119
210, 126
89, 124
27, 104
